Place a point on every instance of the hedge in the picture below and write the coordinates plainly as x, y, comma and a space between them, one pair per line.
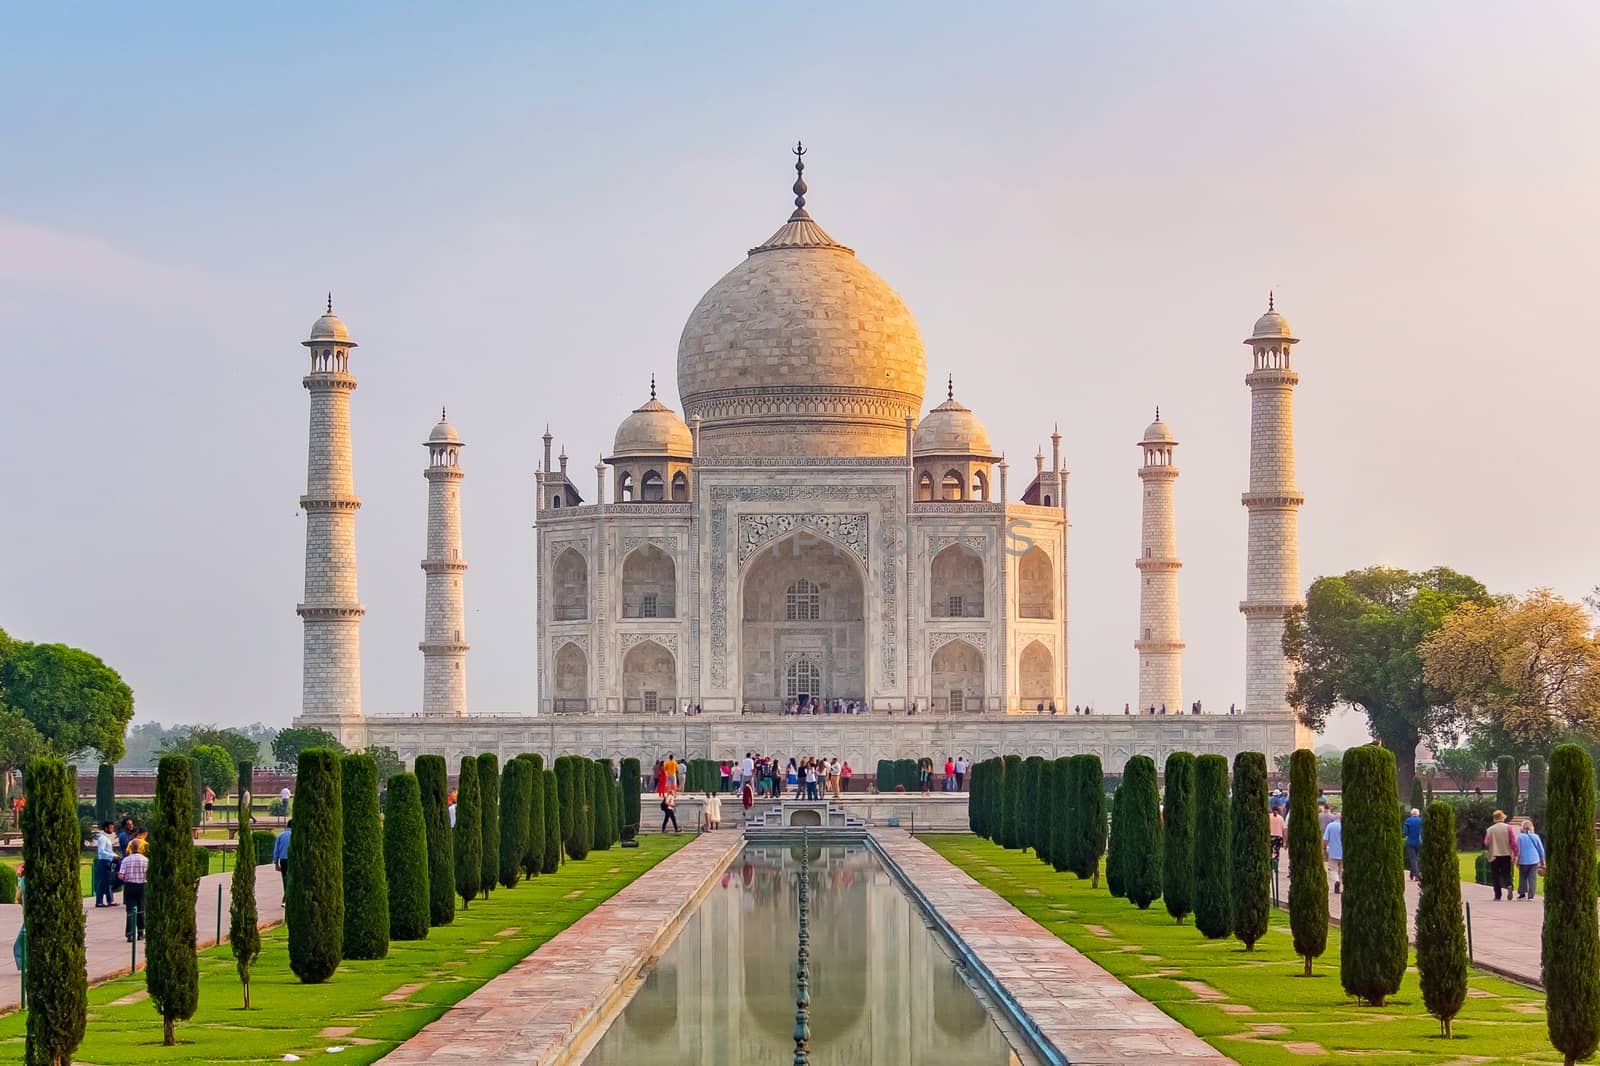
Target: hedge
994, 815
202, 860
1441, 933
405, 854
1064, 790
1308, 889
315, 908
1011, 811
516, 782
1571, 966
1213, 861
489, 820
1177, 829
975, 786
434, 784
1028, 826
552, 823
1251, 840
1372, 958
57, 989
468, 835
8, 883
366, 884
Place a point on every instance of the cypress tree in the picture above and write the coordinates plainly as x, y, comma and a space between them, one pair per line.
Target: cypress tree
52, 912
405, 859
468, 833
366, 884
1063, 828
1536, 790
1213, 867
1441, 934
629, 816
604, 820
570, 796
1506, 771
1011, 804
583, 817
315, 908
244, 932
552, 823
1177, 831
533, 844
197, 796
433, 784
1089, 823
105, 794
515, 784
1571, 943
1251, 840
1141, 856
171, 884
1115, 846
1308, 885
996, 813
1418, 800
247, 782
1032, 793
1372, 958
489, 815
975, 800
1044, 817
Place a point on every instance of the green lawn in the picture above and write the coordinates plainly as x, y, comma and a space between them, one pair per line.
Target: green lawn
1252, 1005
423, 978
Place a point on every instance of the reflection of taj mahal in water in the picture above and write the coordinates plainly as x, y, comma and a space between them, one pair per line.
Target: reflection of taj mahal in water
807, 531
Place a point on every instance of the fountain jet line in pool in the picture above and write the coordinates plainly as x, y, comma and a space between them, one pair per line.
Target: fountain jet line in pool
802, 992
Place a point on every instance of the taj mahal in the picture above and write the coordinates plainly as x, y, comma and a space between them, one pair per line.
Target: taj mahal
812, 556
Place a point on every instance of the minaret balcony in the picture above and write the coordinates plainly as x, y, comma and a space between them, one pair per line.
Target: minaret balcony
342, 612
444, 647
329, 381
1158, 472
444, 566
1159, 645
330, 503
1267, 609
1158, 564
444, 473
1281, 498
1270, 377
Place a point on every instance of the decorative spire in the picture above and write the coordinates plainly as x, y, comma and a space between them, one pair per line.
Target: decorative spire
1158, 412
799, 179
1269, 300
652, 386
441, 413
330, 303
950, 387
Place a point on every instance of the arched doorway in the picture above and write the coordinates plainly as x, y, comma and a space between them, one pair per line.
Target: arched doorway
649, 679
649, 584
1036, 593
804, 607
956, 677
570, 591
955, 583
1036, 672
572, 679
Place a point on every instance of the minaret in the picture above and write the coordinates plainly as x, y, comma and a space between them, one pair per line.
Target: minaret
444, 646
1160, 646
1272, 583
331, 690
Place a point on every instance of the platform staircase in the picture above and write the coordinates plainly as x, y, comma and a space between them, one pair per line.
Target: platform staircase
790, 814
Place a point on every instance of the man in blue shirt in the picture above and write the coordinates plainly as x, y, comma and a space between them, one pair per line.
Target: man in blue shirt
1333, 851
280, 858
105, 858
1413, 826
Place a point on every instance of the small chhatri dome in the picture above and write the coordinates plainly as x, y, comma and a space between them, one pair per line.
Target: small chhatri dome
1157, 432
1272, 325
330, 327
444, 432
653, 430
951, 429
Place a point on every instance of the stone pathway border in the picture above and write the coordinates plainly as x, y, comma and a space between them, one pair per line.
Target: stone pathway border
1091, 1017
545, 1008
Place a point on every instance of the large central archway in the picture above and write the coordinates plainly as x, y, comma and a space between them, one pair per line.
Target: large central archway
803, 617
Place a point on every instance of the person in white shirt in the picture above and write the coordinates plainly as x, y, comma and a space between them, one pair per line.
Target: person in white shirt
961, 772
713, 811
452, 816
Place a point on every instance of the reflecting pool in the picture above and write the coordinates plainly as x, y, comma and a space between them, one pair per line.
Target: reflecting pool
883, 990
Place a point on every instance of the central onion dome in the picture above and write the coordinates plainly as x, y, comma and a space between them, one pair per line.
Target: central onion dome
801, 350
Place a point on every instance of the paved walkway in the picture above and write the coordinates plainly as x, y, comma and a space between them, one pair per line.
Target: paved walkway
108, 952
1090, 1016
552, 998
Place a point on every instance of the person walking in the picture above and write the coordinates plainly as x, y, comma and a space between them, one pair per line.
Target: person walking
669, 811
949, 782
1277, 829
726, 772
280, 856
211, 804
833, 776
1500, 845
713, 811
1333, 852
961, 773
1413, 828
811, 779
1530, 860
670, 768
135, 869
105, 858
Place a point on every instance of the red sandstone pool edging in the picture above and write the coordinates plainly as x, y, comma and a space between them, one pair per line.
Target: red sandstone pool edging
539, 1009
1090, 1016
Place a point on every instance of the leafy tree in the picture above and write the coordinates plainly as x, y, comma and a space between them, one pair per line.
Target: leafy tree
489, 824
183, 739
1373, 916
1213, 866
1571, 942
1251, 841
1141, 856
1088, 819
386, 759
1526, 667
171, 973
1063, 813
1177, 830
52, 912
1115, 846
405, 859
1506, 784
1028, 812
216, 768
630, 799
605, 818
552, 823
366, 883
1536, 790
434, 784
1441, 933
1308, 888
515, 784
1460, 765
20, 742
1358, 641
76, 701
1016, 785
468, 833
289, 743
244, 932
105, 793
314, 910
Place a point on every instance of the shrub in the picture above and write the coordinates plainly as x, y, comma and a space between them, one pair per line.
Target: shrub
247, 781
1251, 842
405, 859
1213, 876
1571, 967
202, 861
1308, 888
1090, 822
1114, 881
105, 794
434, 784
1506, 771
197, 791
583, 817
883, 776
1536, 789
1016, 792
468, 836
244, 932
905, 774
1177, 830
1044, 814
1473, 818
516, 781
1418, 800
533, 843
171, 968
1373, 918
571, 796
315, 908
366, 884
58, 991
605, 819
1028, 823
628, 817
263, 843
8, 883
1441, 934
489, 819
552, 823
1139, 809
996, 813
1063, 813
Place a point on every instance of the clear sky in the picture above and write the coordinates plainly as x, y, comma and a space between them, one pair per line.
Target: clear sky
516, 210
